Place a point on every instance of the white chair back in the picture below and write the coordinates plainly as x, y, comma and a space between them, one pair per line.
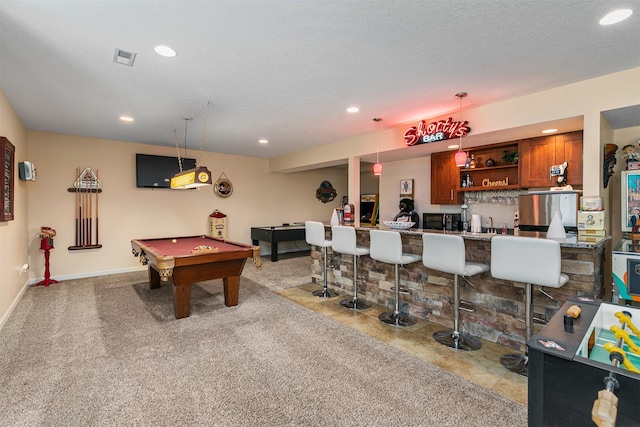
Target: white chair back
386, 246
527, 260
343, 240
314, 234
444, 252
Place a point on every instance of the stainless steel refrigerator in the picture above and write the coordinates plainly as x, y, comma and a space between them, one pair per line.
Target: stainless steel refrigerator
536, 210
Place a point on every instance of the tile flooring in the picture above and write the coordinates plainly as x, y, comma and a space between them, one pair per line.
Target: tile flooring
481, 367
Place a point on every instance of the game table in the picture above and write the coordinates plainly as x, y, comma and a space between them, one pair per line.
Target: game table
187, 260
277, 233
568, 366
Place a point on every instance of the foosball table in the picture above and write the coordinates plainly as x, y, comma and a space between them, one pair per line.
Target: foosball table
585, 369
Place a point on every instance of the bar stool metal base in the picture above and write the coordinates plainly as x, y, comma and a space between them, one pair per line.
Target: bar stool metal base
396, 319
457, 340
515, 362
325, 293
355, 304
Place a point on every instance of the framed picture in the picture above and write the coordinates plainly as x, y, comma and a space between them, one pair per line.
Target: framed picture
8, 152
406, 187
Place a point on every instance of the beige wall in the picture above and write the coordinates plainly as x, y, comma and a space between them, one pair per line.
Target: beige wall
14, 239
125, 212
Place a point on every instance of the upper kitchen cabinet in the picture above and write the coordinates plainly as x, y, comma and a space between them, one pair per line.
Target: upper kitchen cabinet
444, 179
537, 155
493, 167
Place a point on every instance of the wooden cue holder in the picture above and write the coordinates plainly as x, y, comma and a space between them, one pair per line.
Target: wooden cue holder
87, 188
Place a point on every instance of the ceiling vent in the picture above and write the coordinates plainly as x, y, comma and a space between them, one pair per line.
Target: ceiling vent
124, 57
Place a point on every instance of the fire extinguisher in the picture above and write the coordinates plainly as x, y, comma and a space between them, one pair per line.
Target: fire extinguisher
349, 212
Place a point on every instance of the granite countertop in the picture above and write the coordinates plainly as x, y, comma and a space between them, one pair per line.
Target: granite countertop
571, 241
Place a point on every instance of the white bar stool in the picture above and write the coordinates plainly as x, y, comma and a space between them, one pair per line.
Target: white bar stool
314, 235
344, 241
386, 246
446, 253
530, 261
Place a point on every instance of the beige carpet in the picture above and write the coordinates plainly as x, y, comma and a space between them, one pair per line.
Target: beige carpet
292, 269
107, 351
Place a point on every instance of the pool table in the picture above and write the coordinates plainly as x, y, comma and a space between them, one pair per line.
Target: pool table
187, 260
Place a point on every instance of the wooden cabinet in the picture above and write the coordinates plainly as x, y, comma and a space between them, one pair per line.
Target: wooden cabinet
537, 155
444, 179
496, 169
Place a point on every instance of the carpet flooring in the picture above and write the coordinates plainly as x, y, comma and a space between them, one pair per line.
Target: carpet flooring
108, 351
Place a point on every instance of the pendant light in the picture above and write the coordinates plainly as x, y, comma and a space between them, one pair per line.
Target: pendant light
461, 156
198, 176
377, 167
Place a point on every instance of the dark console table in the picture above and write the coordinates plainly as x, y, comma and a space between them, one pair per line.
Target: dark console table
275, 234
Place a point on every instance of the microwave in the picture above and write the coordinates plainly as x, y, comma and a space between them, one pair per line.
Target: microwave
442, 221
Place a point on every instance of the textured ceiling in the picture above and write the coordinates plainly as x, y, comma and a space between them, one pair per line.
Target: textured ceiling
286, 70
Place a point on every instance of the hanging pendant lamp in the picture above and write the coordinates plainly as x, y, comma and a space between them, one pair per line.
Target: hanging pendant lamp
461, 156
377, 167
198, 176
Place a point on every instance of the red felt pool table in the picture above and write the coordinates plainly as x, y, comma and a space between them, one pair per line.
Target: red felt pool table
176, 258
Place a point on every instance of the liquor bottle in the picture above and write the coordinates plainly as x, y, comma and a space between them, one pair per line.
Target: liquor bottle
472, 163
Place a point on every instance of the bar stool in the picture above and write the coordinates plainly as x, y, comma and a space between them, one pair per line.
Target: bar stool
446, 253
344, 241
386, 246
314, 235
530, 261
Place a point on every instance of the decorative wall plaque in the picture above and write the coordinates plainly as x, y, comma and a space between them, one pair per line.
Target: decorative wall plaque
6, 179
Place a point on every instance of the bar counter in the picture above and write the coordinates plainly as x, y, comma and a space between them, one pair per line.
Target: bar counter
490, 308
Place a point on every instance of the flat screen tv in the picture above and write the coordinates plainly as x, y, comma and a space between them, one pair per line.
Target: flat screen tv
156, 171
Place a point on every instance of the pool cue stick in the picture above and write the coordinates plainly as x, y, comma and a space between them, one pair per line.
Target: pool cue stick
97, 194
86, 217
90, 214
78, 210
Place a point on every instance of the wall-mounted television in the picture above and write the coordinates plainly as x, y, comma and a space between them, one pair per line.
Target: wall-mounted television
156, 171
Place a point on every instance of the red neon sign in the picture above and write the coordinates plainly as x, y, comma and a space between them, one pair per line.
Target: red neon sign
436, 131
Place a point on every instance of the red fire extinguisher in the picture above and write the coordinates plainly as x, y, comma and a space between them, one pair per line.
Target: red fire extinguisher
349, 212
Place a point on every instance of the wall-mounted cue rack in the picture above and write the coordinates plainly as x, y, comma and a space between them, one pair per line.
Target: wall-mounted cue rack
87, 188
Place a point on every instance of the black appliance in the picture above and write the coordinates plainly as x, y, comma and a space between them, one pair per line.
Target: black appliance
442, 221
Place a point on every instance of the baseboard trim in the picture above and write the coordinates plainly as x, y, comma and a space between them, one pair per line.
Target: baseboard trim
90, 274
13, 305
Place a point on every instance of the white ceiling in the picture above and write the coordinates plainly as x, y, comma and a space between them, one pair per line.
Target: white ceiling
286, 70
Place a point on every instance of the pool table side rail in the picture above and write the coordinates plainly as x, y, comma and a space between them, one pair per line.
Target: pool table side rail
163, 261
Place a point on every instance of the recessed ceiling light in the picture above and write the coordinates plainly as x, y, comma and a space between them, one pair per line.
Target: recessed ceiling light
126, 119
263, 141
353, 110
550, 130
165, 51
452, 146
616, 16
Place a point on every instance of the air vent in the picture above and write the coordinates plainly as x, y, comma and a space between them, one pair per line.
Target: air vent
124, 57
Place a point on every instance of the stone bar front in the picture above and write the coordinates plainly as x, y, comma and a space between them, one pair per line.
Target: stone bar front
490, 308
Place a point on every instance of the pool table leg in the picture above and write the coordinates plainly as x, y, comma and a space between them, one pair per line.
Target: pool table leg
154, 278
231, 290
182, 300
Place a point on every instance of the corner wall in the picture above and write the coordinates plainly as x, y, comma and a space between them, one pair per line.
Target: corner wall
14, 239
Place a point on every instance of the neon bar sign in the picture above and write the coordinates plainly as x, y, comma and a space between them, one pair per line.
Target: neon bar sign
435, 131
